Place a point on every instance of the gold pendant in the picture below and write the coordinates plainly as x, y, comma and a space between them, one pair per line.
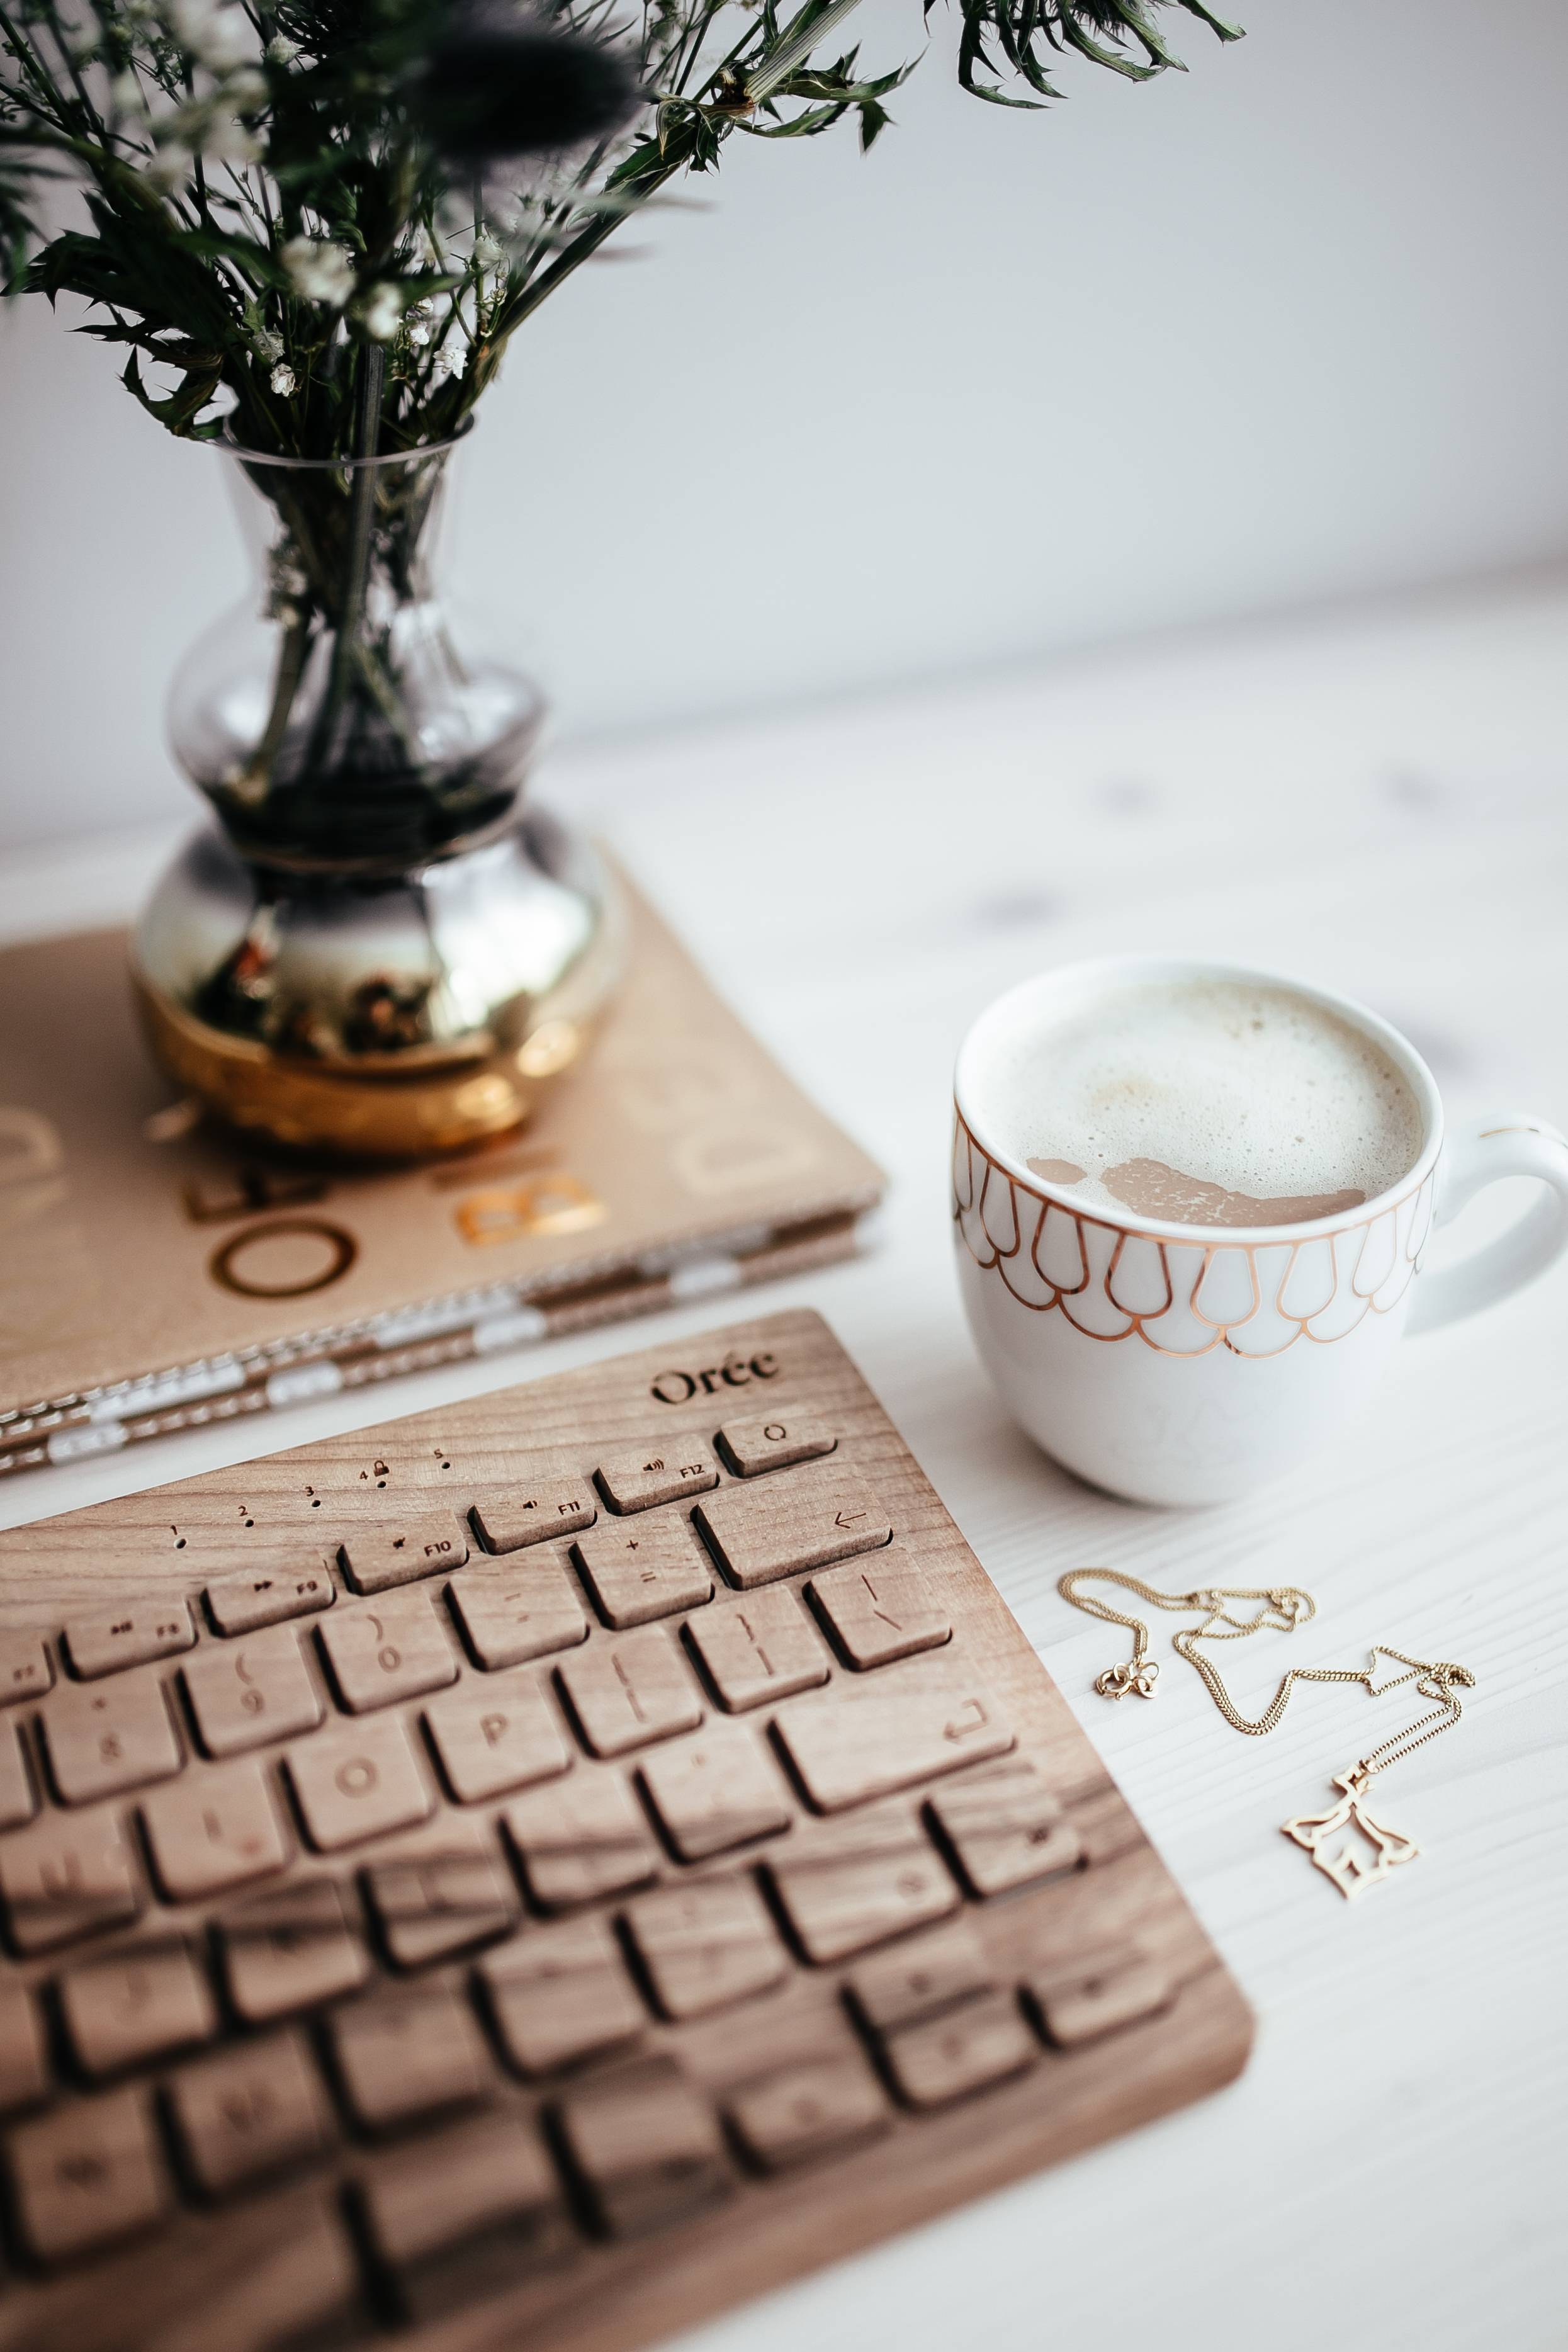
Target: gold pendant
1347, 1844
1130, 1675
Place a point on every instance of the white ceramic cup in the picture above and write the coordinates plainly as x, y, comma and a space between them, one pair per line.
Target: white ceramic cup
1178, 1363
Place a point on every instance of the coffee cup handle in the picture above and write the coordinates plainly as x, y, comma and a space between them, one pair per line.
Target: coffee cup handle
1480, 1152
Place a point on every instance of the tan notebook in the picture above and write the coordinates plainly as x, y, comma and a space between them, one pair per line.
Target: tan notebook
154, 1275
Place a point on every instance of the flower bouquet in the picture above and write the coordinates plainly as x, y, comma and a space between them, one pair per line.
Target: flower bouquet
313, 227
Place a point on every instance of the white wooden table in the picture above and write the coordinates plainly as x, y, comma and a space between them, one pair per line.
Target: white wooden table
1377, 800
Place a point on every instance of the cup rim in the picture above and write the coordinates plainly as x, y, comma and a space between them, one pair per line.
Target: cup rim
1130, 969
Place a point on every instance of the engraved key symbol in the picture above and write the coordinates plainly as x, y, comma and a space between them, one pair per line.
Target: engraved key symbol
877, 1611
755, 1638
633, 1699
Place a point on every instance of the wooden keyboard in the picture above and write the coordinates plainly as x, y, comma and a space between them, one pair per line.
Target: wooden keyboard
541, 1871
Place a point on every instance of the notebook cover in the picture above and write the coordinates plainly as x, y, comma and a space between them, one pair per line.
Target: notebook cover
155, 1276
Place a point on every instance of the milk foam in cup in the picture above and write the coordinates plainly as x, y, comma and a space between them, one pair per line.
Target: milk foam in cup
1212, 1102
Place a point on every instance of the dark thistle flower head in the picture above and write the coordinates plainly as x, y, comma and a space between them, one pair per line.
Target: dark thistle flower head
497, 84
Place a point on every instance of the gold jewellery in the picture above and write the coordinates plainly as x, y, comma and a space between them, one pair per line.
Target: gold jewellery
1348, 1845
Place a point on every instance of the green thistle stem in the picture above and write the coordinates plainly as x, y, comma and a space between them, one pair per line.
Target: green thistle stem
356, 564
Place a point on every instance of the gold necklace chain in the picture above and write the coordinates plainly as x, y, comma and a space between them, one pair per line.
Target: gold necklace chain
1283, 1608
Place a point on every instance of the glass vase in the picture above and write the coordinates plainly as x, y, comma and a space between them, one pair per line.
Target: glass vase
374, 948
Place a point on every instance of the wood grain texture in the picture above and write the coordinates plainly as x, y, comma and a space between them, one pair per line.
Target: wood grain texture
726, 1995
1375, 799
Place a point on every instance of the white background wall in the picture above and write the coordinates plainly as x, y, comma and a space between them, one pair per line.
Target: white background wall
1288, 328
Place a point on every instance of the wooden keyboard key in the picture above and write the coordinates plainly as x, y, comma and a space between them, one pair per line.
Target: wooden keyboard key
920, 1977
220, 1829
431, 1907
510, 1615
761, 1648
291, 1951
1005, 1828
135, 2005
648, 2145
252, 2112
650, 1570
967, 2050
860, 1884
298, 2288
23, 2066
659, 1474
256, 1597
357, 1781
582, 1838
626, 1694
713, 1792
464, 2215
62, 1880
18, 1802
1098, 1994
496, 1740
547, 1499
705, 1944
761, 1533
398, 1650
805, 2113
376, 1558
246, 1693
561, 1994
25, 1668
132, 1636
87, 2176
406, 2055
883, 1611
851, 1746
101, 1742
752, 1446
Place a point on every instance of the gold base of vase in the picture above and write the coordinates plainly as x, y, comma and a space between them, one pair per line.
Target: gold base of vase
436, 1009
259, 1093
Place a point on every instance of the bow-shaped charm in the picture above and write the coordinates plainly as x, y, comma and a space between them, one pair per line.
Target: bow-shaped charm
1132, 1675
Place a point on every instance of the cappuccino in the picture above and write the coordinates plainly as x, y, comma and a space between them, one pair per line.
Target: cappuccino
1204, 1102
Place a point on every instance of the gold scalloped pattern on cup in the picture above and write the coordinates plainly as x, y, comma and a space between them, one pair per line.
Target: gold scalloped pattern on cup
1181, 1299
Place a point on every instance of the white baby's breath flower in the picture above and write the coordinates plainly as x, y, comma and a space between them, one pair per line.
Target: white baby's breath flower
214, 32
488, 251
286, 575
281, 50
225, 140
245, 90
267, 346
318, 269
126, 95
282, 381
452, 359
170, 168
383, 312
417, 318
188, 19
